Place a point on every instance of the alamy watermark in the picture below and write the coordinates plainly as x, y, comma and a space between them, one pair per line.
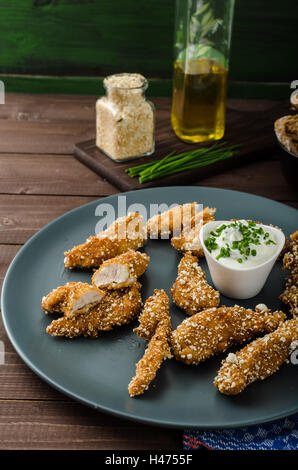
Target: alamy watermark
2, 92
181, 219
2, 353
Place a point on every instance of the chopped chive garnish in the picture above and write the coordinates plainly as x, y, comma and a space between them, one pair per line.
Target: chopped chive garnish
252, 234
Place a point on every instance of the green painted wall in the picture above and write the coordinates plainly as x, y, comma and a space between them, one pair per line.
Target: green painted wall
86, 39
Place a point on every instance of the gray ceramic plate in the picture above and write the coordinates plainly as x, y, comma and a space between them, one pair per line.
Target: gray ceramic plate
97, 372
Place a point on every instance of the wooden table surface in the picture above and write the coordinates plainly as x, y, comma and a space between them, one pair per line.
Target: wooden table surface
40, 180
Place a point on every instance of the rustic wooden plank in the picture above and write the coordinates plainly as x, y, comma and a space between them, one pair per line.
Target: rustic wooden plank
45, 107
124, 37
53, 425
7, 253
49, 174
22, 216
43, 137
52, 125
263, 178
251, 130
63, 175
18, 382
157, 87
45, 124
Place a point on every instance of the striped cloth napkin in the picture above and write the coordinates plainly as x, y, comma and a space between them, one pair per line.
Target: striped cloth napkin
277, 435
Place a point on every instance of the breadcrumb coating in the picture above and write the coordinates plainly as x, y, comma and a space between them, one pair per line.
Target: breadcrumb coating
72, 299
190, 238
156, 308
118, 307
171, 222
155, 325
290, 263
216, 329
258, 360
157, 351
126, 233
191, 291
121, 271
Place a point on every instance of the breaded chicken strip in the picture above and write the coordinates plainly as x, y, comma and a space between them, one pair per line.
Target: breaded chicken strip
258, 360
121, 271
172, 221
156, 308
216, 329
72, 299
155, 325
118, 307
191, 292
190, 238
290, 263
157, 351
126, 233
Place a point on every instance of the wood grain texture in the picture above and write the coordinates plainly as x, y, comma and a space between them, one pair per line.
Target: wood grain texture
49, 174
34, 415
40, 180
37, 37
22, 216
55, 425
23, 174
49, 124
251, 130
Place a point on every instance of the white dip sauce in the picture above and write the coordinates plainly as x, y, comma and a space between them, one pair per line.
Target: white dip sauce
241, 244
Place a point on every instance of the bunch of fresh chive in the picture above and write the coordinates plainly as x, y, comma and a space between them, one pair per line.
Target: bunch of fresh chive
173, 163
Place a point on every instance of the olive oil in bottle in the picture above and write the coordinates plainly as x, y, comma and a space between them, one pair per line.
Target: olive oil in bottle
199, 100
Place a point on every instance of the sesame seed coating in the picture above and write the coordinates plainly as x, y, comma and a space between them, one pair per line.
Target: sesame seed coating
190, 237
126, 233
191, 291
63, 299
133, 264
155, 325
172, 221
216, 329
258, 360
156, 308
118, 307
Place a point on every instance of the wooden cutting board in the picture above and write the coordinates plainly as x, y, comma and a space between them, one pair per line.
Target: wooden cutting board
246, 124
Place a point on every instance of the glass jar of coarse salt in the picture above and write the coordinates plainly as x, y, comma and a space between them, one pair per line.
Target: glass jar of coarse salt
124, 118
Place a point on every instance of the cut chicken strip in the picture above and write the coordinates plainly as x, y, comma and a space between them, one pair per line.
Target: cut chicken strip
171, 222
72, 299
126, 233
191, 291
190, 238
118, 307
258, 360
216, 329
157, 351
156, 308
155, 325
121, 271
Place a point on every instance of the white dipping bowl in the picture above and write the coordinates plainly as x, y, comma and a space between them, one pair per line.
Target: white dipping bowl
239, 283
